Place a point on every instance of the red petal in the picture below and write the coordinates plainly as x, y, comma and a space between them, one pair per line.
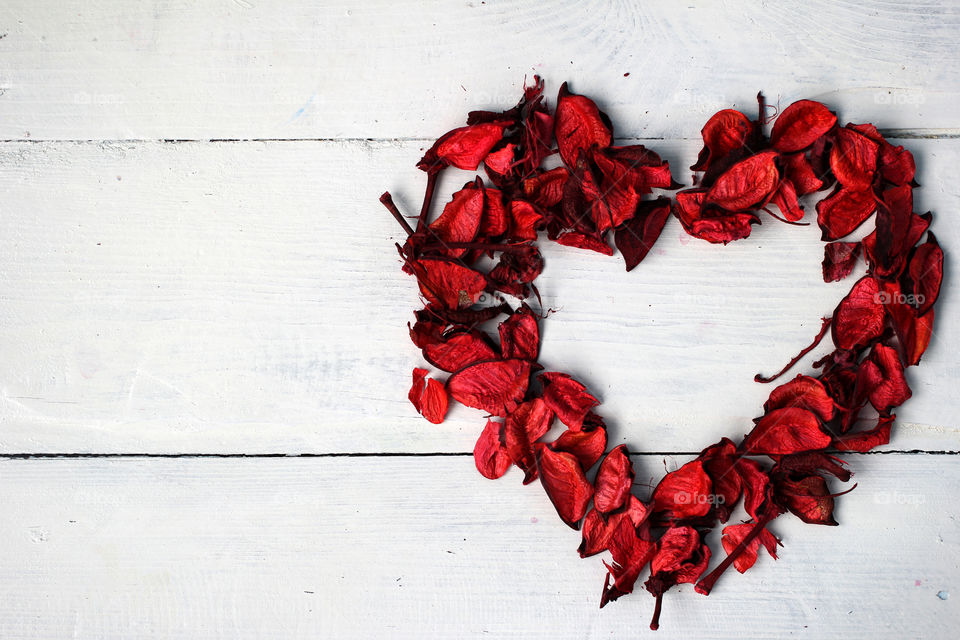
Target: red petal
524, 426
568, 398
784, 431
843, 211
587, 446
839, 259
430, 399
578, 125
800, 125
809, 499
853, 159
858, 318
756, 486
684, 493
546, 189
501, 161
489, 454
524, 220
495, 222
565, 484
520, 335
882, 376
863, 441
734, 535
448, 283
797, 169
584, 241
458, 351
614, 480
598, 529
495, 387
635, 237
745, 184
913, 332
785, 197
722, 229
464, 148
460, 219
726, 131
803, 392
925, 274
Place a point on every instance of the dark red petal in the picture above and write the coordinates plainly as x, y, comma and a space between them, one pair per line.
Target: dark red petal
756, 486
635, 237
565, 484
803, 392
546, 189
501, 161
495, 387
464, 148
925, 273
853, 159
800, 125
736, 533
585, 241
489, 454
587, 446
568, 398
495, 220
721, 229
578, 125
459, 350
684, 493
784, 431
839, 259
913, 332
863, 441
858, 318
797, 169
746, 184
448, 283
896, 164
843, 211
882, 376
520, 335
524, 220
726, 131
614, 480
809, 499
599, 529
460, 219
524, 426
785, 197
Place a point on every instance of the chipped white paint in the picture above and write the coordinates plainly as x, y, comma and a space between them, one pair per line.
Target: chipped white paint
243, 297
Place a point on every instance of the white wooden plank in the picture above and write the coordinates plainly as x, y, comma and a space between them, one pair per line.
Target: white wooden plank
425, 547
301, 69
247, 298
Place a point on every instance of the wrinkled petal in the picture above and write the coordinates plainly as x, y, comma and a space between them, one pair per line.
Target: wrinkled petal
614, 480
496, 387
565, 484
800, 124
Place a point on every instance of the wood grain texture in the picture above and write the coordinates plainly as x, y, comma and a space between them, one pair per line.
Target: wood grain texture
246, 297
300, 69
296, 548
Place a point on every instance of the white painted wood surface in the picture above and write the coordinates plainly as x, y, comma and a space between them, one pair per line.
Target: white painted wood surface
242, 297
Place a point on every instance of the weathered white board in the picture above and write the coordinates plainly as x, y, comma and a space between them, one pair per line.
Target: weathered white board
247, 297
378, 69
426, 548
237, 294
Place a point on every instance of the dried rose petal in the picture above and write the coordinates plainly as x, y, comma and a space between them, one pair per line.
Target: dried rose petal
524, 426
458, 350
859, 316
925, 273
808, 498
464, 148
853, 159
585, 241
568, 398
428, 396
635, 237
496, 387
587, 446
565, 484
614, 480
449, 283
578, 125
598, 529
684, 493
726, 131
489, 454
519, 335
882, 376
800, 125
746, 184
460, 219
839, 259
784, 431
803, 392
843, 211
734, 534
